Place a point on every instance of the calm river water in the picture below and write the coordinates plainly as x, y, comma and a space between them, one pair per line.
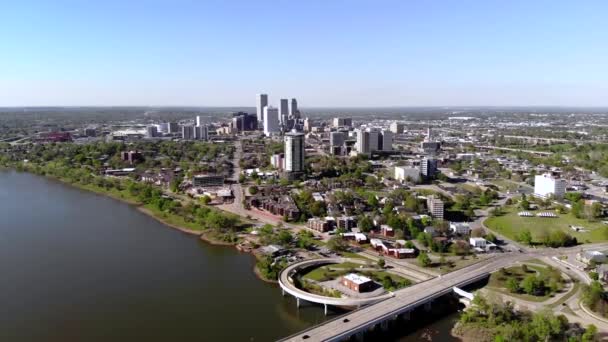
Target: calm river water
79, 266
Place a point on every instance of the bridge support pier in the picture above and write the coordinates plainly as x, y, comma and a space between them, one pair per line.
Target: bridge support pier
384, 325
297, 302
325, 305
283, 292
427, 306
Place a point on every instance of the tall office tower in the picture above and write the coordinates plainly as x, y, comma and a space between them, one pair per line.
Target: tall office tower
397, 128
199, 121
374, 139
363, 141
242, 121
151, 131
342, 122
385, 141
336, 142
188, 132
283, 110
173, 127
428, 167
429, 146
546, 185
293, 109
261, 102
201, 132
294, 152
271, 121
336, 138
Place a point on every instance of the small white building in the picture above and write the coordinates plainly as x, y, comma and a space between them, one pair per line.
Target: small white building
403, 173
546, 185
460, 228
477, 242
435, 206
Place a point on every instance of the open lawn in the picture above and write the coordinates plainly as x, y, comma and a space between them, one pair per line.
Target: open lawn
329, 272
511, 225
504, 184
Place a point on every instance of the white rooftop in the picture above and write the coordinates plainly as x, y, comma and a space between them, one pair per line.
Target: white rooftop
357, 279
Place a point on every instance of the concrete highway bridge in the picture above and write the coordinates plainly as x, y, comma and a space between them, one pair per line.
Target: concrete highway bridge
401, 303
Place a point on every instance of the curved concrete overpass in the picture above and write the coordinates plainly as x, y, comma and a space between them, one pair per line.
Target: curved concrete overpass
287, 285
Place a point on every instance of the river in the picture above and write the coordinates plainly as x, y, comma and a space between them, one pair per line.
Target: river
80, 266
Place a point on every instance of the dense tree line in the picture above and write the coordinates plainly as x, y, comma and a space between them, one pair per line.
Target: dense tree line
501, 322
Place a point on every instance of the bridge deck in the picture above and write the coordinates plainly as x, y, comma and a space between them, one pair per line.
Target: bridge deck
405, 300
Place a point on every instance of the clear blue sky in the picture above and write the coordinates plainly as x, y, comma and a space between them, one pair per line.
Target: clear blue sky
324, 52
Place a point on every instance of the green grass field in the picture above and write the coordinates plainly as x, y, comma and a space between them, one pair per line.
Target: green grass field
329, 272
511, 225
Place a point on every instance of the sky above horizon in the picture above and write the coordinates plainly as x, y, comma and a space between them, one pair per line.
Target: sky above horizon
323, 52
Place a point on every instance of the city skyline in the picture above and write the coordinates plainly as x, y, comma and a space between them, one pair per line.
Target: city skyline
345, 54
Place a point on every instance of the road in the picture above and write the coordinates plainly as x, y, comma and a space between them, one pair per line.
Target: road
412, 296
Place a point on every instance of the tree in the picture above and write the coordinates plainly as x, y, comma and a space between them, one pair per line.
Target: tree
205, 200
524, 204
469, 213
372, 200
337, 244
525, 237
578, 209
491, 237
253, 189
512, 285
596, 211
424, 260
532, 285
496, 211
284, 237
590, 334
381, 263
365, 224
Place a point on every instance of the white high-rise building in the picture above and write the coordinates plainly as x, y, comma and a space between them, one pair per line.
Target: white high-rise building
261, 102
546, 185
283, 110
435, 206
199, 121
373, 139
293, 109
363, 141
271, 121
397, 128
403, 173
294, 152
